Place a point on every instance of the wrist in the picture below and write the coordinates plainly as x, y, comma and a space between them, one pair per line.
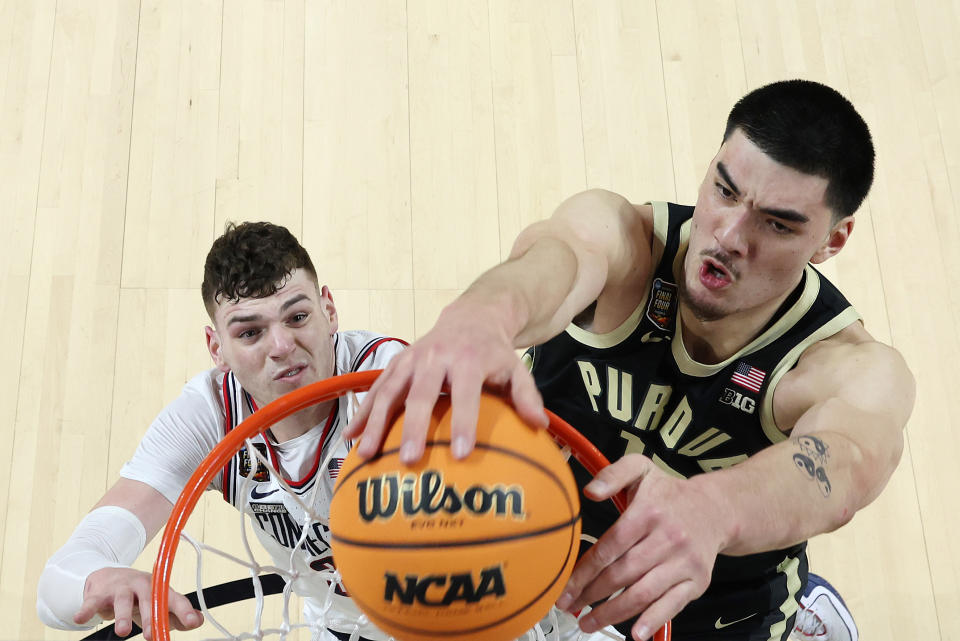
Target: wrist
495, 309
724, 514
107, 537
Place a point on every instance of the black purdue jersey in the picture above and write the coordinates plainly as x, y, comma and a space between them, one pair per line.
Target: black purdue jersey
635, 389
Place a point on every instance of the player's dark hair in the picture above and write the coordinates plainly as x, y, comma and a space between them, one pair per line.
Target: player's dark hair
251, 260
813, 129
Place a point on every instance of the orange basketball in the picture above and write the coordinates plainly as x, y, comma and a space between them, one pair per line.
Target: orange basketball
477, 549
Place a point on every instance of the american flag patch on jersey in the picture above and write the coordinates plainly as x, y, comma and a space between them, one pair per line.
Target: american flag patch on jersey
334, 467
748, 377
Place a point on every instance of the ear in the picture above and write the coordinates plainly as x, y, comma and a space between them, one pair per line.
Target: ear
216, 349
835, 240
329, 309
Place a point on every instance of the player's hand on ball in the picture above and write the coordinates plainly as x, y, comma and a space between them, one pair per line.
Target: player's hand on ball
661, 550
123, 594
465, 351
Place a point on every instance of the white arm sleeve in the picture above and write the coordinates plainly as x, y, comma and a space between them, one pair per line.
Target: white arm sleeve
108, 537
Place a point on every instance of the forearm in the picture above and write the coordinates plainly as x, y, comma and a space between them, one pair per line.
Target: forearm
108, 537
559, 266
526, 295
795, 490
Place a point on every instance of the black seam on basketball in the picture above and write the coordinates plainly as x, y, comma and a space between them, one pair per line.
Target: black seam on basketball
366, 607
386, 545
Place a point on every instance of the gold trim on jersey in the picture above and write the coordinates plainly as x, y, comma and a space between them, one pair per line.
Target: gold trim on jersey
661, 220
661, 223
527, 359
613, 337
791, 569
767, 420
811, 288
681, 254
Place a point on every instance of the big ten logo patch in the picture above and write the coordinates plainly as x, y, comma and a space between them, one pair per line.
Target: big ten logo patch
663, 303
738, 400
262, 473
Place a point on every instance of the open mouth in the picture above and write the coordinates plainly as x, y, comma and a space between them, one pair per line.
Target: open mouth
713, 275
715, 270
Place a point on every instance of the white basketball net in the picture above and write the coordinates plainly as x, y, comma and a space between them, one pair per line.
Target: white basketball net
323, 610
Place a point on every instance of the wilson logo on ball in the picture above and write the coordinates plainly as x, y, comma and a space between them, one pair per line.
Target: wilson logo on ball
380, 497
441, 590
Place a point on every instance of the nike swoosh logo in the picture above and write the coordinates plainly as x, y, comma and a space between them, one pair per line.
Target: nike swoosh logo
650, 338
256, 496
719, 625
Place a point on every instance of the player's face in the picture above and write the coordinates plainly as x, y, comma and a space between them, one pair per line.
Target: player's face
756, 225
277, 343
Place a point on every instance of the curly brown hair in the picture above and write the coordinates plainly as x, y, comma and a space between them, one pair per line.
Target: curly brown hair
251, 260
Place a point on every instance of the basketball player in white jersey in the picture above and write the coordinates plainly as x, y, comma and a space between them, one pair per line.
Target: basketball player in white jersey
656, 303
274, 329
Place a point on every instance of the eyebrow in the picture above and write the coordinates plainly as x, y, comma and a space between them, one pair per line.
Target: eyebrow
293, 301
785, 214
726, 177
255, 317
789, 215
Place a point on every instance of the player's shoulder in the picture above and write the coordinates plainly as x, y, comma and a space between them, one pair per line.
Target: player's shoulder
644, 213
851, 363
852, 348
205, 387
198, 409
645, 221
601, 217
205, 382
360, 350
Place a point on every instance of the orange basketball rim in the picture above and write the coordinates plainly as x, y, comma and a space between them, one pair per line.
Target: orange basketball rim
325, 390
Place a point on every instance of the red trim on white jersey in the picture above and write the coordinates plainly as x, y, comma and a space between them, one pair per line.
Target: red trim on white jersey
370, 349
227, 426
319, 456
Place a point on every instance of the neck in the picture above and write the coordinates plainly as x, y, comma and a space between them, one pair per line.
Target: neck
714, 341
301, 422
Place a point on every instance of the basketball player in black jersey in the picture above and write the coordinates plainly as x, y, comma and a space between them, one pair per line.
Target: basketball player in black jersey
742, 401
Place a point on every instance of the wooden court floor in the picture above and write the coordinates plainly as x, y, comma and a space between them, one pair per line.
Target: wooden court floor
406, 143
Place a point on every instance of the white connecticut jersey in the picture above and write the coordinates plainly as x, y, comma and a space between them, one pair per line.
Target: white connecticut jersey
210, 406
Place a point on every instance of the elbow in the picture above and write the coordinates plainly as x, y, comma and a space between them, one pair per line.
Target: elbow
872, 469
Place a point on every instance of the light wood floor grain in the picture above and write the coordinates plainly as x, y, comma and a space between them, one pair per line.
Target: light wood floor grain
406, 143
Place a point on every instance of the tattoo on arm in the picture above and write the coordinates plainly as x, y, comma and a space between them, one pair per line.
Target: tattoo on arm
811, 459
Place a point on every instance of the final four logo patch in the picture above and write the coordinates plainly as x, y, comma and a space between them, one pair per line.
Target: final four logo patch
262, 473
663, 304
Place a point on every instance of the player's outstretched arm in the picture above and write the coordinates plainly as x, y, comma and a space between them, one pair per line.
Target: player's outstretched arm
848, 404
855, 400
89, 578
556, 269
